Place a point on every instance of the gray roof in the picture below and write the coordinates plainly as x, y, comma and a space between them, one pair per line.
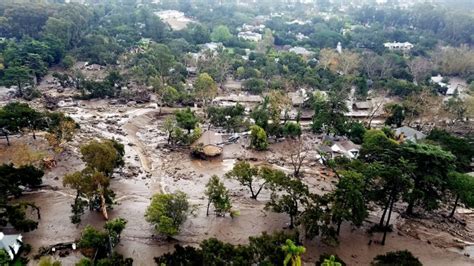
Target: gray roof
362, 105
409, 133
7, 242
348, 145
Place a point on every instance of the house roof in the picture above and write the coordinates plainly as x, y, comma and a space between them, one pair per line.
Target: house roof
409, 133
9, 242
348, 145
209, 138
300, 50
362, 105
240, 98
297, 98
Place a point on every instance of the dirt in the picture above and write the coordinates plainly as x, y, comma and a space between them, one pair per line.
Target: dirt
152, 167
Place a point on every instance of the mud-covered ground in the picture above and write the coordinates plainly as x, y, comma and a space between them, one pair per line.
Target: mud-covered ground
152, 167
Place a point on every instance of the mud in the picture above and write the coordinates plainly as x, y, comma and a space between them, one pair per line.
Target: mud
151, 167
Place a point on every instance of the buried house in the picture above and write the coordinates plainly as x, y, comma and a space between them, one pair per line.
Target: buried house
208, 145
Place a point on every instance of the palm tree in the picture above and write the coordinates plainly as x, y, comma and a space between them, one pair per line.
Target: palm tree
293, 253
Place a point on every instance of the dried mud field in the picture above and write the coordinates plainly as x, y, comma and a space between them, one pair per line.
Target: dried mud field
154, 167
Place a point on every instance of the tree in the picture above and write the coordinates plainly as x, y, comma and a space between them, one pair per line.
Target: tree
229, 117
114, 228
94, 187
61, 128
293, 253
431, 166
254, 85
258, 138
169, 126
205, 88
297, 152
261, 250
420, 68
169, 95
348, 201
186, 119
294, 194
247, 175
48, 261
291, 129
218, 196
102, 243
12, 183
167, 212
345, 63
329, 114
221, 34
462, 186
103, 156
396, 115
18, 76
401, 257
356, 132
16, 117
456, 109
459, 147
332, 261
93, 238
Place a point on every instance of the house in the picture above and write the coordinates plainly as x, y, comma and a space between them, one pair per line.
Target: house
452, 90
345, 148
212, 46
301, 51
247, 100
297, 98
300, 36
408, 133
250, 36
208, 144
361, 106
11, 244
398, 46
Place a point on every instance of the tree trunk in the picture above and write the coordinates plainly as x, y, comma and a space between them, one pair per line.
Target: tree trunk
20, 90
208, 205
251, 192
104, 207
388, 220
291, 222
382, 219
455, 205
8, 140
411, 204
259, 190
339, 227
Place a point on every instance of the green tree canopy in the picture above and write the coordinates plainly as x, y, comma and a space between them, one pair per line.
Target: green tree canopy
167, 212
221, 34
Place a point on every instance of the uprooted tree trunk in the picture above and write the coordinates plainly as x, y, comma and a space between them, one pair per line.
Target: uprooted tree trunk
103, 207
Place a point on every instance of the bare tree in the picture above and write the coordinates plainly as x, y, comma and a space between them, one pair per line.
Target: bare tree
297, 152
370, 64
424, 108
376, 104
419, 67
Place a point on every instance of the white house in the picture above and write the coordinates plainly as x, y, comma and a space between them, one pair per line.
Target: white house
346, 148
399, 46
250, 36
11, 244
300, 51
